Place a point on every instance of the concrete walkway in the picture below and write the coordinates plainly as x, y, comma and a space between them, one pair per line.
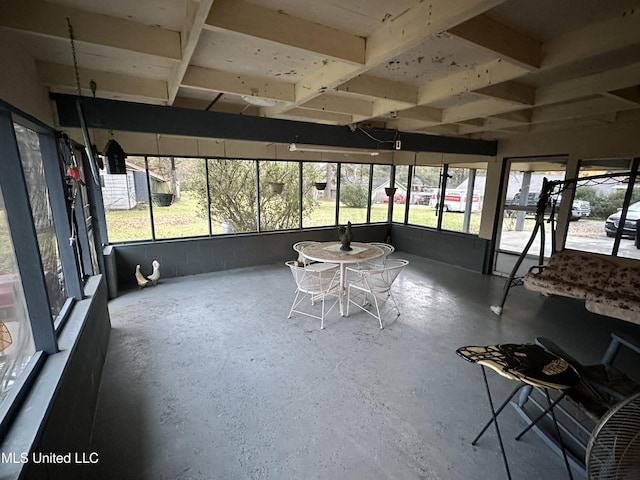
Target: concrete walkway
206, 378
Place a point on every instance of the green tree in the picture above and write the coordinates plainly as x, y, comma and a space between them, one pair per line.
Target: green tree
354, 195
233, 194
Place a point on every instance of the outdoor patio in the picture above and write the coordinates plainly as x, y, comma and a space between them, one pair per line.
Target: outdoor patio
206, 378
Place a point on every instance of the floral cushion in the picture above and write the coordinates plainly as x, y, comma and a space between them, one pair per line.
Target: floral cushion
571, 274
620, 297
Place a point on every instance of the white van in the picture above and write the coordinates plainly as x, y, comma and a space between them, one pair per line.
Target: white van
455, 201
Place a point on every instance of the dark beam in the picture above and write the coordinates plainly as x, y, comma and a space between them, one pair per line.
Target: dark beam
138, 117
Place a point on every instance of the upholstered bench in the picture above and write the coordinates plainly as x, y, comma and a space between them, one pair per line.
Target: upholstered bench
569, 273
609, 285
620, 296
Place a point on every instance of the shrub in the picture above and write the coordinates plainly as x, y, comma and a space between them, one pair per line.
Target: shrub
352, 195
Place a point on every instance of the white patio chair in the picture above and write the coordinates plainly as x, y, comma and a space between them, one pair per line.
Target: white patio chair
317, 285
310, 264
371, 287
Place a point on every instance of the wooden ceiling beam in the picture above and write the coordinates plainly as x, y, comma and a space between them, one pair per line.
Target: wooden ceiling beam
195, 17
496, 37
392, 39
279, 27
490, 73
510, 91
620, 31
109, 85
49, 19
217, 81
380, 88
337, 104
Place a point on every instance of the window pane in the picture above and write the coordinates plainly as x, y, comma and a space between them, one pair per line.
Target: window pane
354, 193
319, 209
379, 199
126, 202
279, 195
29, 146
232, 191
523, 189
16, 340
399, 204
463, 203
178, 209
424, 196
595, 213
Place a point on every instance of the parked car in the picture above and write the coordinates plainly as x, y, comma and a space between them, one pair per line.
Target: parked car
629, 228
397, 198
579, 209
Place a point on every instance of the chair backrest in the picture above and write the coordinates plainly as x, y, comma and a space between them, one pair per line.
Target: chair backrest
386, 248
313, 281
298, 248
379, 279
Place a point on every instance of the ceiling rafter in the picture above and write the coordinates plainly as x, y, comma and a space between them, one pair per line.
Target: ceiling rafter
48, 19
393, 38
380, 88
339, 104
196, 15
218, 81
486, 32
109, 85
279, 27
600, 38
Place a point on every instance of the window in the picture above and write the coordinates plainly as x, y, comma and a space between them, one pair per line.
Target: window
524, 185
424, 196
354, 193
463, 199
379, 199
178, 210
232, 195
279, 195
126, 202
319, 204
596, 209
400, 196
16, 340
31, 159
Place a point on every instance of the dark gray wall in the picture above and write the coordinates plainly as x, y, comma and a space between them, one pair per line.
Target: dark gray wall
58, 412
459, 249
210, 254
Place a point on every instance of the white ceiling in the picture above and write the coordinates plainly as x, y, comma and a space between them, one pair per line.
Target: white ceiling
476, 68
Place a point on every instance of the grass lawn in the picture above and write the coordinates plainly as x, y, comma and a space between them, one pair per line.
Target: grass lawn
181, 219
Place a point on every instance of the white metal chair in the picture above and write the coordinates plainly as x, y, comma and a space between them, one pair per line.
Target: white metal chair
317, 285
387, 250
374, 285
310, 264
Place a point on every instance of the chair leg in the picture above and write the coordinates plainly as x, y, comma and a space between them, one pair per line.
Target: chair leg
555, 422
377, 310
494, 420
293, 305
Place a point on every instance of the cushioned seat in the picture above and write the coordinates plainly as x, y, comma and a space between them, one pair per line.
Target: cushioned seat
619, 297
570, 274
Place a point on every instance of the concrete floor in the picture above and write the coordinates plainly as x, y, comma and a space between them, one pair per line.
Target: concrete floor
206, 378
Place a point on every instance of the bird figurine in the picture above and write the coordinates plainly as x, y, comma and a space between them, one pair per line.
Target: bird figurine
142, 282
155, 275
345, 237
